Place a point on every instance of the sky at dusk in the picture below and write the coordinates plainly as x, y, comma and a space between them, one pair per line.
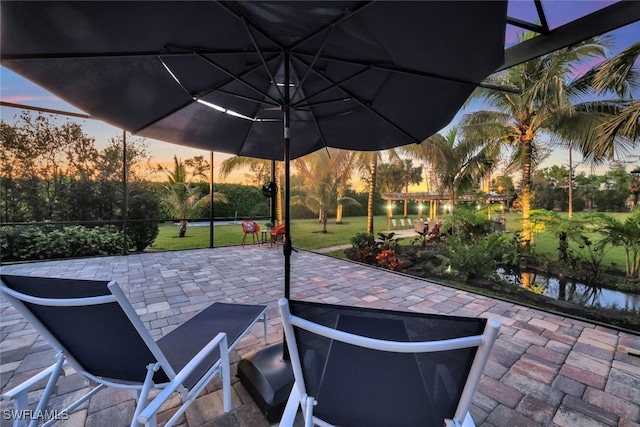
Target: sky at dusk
16, 89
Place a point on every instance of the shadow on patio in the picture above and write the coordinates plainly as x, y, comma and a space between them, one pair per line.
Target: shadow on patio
545, 369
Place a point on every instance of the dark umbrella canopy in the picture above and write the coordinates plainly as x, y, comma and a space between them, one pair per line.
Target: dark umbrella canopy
211, 75
273, 80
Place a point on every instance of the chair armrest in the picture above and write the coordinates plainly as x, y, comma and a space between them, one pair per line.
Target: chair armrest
219, 340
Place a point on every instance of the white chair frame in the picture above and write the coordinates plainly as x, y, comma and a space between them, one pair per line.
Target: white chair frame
300, 398
145, 412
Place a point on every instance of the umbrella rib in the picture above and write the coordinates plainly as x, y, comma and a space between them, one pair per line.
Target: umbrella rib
238, 79
410, 72
264, 62
244, 97
315, 59
332, 86
348, 14
367, 106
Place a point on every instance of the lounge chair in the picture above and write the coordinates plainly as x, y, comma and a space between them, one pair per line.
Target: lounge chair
94, 329
366, 367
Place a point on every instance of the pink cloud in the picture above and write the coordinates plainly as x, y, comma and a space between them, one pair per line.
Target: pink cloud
19, 98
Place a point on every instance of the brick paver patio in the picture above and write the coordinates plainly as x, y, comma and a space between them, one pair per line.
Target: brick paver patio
545, 369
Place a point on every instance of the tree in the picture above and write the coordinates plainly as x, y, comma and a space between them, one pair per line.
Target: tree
345, 164
389, 179
410, 175
587, 188
367, 163
322, 176
46, 170
620, 132
260, 173
627, 235
460, 163
183, 200
546, 98
615, 189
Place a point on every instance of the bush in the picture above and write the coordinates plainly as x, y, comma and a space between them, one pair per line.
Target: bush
51, 242
144, 204
364, 248
470, 259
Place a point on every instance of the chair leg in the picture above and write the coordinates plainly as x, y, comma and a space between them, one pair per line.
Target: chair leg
143, 398
19, 393
291, 408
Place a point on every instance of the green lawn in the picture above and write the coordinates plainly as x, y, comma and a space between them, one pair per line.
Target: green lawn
307, 234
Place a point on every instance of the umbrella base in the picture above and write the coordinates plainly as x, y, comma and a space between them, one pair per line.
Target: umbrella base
268, 380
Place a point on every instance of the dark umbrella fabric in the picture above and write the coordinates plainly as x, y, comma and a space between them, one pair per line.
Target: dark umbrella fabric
210, 75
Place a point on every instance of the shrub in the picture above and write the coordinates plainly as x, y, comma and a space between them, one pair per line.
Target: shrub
363, 248
51, 242
470, 259
388, 259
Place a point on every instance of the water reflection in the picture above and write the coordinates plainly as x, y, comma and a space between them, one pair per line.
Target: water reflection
573, 292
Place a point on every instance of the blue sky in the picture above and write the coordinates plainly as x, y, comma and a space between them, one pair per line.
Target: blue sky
16, 89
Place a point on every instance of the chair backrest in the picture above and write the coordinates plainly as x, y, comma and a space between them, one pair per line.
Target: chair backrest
86, 321
249, 226
379, 367
278, 229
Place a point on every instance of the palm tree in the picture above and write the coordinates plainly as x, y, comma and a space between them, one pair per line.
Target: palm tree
261, 172
461, 163
410, 175
621, 132
344, 164
323, 175
546, 98
182, 200
367, 163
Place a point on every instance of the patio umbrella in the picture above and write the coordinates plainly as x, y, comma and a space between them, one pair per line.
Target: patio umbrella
250, 78
273, 80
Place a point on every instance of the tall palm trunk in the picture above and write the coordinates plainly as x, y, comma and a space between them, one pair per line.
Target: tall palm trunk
406, 201
525, 193
279, 194
372, 190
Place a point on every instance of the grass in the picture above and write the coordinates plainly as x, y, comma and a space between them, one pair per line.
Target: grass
307, 234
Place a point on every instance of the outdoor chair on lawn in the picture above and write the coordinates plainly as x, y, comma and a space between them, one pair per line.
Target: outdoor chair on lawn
250, 227
356, 366
94, 329
277, 235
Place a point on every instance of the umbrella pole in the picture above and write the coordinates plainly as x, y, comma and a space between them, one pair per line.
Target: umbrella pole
267, 375
287, 247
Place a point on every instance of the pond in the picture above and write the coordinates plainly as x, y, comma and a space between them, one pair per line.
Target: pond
573, 292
